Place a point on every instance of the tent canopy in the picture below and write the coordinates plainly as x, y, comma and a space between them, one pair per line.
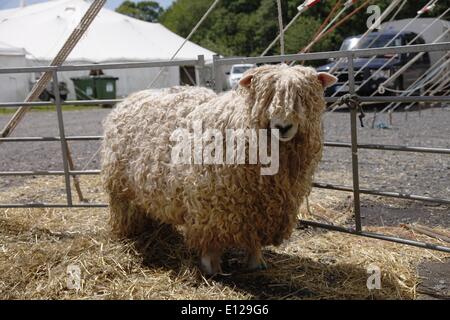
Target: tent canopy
13, 87
41, 29
7, 50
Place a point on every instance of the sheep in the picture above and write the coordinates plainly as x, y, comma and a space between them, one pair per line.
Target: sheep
219, 206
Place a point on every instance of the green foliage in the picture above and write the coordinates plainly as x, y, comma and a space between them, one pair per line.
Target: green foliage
145, 10
247, 27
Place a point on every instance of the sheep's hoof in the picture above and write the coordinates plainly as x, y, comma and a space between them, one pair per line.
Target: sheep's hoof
210, 265
257, 265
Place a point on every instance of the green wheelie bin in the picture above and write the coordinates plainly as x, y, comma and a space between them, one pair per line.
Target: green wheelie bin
95, 87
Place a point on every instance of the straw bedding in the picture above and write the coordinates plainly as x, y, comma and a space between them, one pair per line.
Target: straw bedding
37, 245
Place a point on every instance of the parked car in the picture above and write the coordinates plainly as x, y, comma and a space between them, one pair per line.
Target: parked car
48, 93
366, 67
236, 73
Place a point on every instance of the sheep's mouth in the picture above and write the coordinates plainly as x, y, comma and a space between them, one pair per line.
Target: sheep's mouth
286, 138
285, 132
283, 129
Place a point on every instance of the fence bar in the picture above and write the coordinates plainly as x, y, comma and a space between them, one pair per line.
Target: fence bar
396, 99
387, 147
364, 99
375, 236
37, 69
54, 205
326, 144
88, 103
64, 146
129, 65
406, 99
217, 76
391, 194
26, 104
122, 65
81, 103
200, 68
444, 46
354, 145
49, 173
46, 139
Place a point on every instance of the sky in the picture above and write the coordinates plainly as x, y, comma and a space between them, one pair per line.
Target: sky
110, 4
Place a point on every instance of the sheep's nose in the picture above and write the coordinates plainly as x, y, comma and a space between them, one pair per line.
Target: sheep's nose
283, 129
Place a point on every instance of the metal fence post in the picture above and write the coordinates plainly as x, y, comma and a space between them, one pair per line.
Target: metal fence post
354, 140
217, 76
200, 74
62, 135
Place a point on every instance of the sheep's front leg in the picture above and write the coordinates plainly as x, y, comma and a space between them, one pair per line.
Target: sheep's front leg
210, 262
255, 260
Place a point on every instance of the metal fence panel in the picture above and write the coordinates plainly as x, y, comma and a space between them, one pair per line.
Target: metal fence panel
217, 64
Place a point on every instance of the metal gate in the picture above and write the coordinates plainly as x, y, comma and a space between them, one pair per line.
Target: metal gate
217, 65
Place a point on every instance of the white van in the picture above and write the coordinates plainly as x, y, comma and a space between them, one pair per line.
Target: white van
434, 29
236, 73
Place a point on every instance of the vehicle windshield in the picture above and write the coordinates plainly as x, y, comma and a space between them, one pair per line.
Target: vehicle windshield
349, 43
240, 69
378, 41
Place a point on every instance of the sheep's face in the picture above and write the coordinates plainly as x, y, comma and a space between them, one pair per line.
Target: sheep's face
285, 98
287, 128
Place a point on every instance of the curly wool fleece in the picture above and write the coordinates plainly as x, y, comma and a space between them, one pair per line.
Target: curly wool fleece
220, 206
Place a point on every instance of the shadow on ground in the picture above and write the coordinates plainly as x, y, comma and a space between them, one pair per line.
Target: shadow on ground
375, 213
288, 276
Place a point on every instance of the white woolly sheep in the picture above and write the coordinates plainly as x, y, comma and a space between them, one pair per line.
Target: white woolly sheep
219, 206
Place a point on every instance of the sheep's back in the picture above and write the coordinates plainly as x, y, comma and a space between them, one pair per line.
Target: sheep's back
136, 147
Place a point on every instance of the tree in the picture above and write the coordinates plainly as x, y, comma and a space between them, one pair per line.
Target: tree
247, 27
145, 10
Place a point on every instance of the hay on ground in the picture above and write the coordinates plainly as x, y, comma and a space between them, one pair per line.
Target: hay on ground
37, 245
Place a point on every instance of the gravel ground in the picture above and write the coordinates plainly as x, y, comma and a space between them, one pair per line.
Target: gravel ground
405, 172
417, 173
22, 156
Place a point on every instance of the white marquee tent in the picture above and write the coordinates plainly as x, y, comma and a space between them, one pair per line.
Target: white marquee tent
13, 87
41, 29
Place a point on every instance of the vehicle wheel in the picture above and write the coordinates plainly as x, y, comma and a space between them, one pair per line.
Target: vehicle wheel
398, 85
44, 96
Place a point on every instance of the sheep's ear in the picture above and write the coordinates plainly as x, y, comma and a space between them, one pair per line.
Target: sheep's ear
326, 79
245, 81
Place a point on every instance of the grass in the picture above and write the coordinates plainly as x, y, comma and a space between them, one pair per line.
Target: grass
49, 108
